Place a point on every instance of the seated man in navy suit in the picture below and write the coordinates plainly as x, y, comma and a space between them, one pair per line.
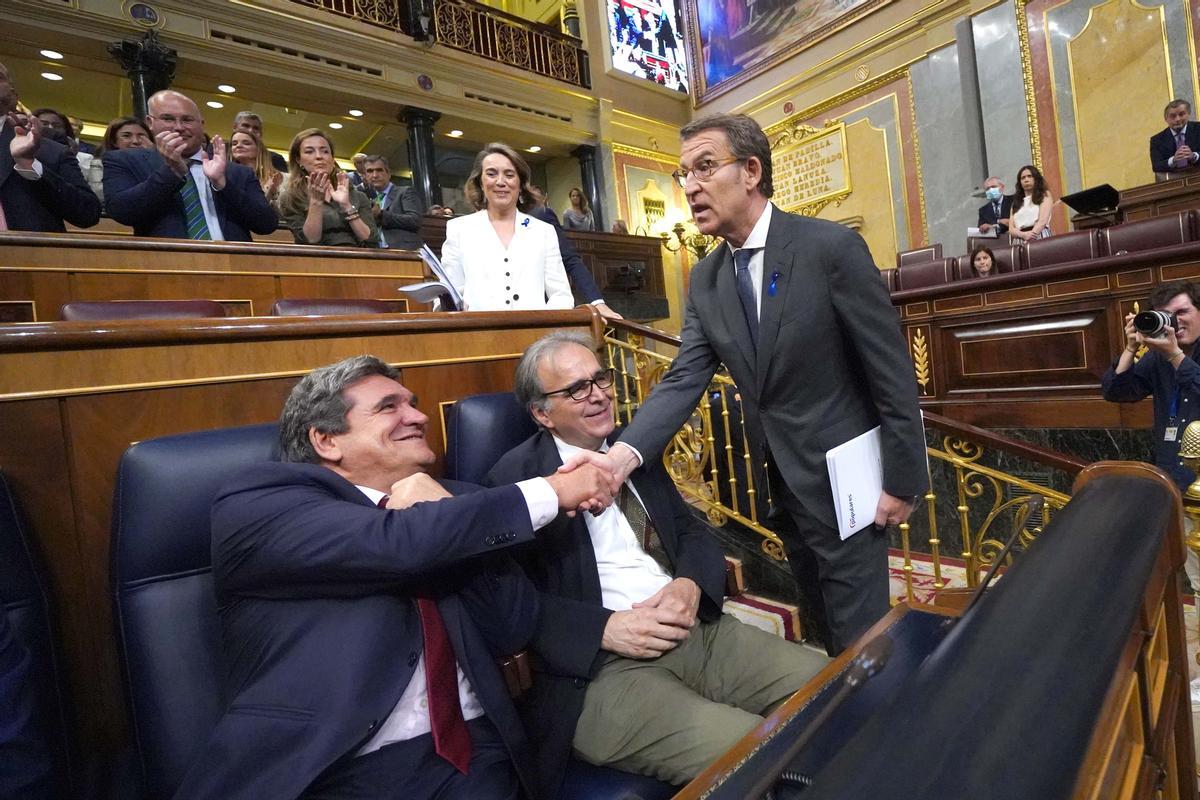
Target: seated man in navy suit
362, 604
637, 667
1178, 145
178, 189
40, 182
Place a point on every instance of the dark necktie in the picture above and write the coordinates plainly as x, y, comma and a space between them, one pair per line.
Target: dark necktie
643, 528
745, 290
451, 739
1180, 139
996, 208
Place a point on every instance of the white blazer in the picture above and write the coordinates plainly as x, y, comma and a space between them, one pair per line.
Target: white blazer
529, 275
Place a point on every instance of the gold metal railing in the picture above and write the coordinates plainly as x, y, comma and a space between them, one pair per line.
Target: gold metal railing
977, 504
388, 14
496, 36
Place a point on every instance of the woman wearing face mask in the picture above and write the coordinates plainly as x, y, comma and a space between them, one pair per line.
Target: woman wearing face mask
319, 204
997, 208
1032, 203
500, 258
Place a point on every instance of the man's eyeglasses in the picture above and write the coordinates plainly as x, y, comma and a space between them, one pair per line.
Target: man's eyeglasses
171, 119
704, 170
581, 390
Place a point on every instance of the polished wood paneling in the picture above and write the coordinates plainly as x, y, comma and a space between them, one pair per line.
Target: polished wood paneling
73, 396
1028, 349
1158, 199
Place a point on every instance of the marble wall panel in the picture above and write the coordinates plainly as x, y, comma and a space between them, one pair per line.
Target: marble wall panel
942, 137
1001, 92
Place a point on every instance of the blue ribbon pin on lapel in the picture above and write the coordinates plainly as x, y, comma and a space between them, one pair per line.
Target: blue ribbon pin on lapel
525, 222
774, 284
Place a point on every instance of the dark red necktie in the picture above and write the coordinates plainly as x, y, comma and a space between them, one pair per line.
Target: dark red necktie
451, 739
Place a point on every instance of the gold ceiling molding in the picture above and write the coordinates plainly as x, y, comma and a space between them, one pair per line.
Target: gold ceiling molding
1035, 137
833, 102
630, 150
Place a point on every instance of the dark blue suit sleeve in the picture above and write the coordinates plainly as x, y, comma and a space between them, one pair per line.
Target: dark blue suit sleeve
296, 539
24, 753
578, 274
134, 201
62, 189
405, 213
244, 201
1162, 147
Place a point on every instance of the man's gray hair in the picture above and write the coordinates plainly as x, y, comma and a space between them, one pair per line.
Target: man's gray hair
317, 402
1176, 103
381, 159
241, 115
745, 137
527, 386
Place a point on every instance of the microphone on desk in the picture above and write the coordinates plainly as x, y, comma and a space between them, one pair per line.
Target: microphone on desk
869, 662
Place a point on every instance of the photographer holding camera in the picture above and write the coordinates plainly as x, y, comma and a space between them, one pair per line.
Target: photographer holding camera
1168, 371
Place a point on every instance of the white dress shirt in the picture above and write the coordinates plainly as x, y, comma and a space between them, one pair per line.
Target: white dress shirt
410, 716
758, 240
628, 574
526, 275
196, 167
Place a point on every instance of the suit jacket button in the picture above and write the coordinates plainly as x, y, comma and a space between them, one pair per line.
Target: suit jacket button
374, 724
489, 540
412, 659
580, 683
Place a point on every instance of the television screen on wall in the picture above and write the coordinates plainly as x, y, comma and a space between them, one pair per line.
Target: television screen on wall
646, 38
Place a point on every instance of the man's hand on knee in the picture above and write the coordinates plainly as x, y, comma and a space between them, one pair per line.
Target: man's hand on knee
643, 632
681, 595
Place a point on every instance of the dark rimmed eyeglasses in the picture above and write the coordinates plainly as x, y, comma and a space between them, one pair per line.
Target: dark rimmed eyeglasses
581, 390
704, 170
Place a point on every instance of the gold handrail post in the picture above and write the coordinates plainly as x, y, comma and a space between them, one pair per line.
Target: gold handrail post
965, 523
934, 541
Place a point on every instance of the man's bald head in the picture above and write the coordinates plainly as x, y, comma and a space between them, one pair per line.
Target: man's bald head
169, 110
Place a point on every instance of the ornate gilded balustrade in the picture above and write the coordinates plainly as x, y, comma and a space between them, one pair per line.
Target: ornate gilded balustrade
390, 14
978, 498
497, 36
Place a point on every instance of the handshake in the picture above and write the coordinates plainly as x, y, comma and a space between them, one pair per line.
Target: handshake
590, 481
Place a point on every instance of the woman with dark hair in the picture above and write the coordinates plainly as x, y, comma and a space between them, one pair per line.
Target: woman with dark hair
246, 148
1031, 206
983, 262
124, 133
500, 258
579, 216
319, 204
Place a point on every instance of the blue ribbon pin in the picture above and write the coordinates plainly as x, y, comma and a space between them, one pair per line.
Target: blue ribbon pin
525, 222
774, 284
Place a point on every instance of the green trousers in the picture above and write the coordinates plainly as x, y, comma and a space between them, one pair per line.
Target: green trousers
672, 716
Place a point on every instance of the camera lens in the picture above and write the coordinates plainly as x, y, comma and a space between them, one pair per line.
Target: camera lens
1153, 323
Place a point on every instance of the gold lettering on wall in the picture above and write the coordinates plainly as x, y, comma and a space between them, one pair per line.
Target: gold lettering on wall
810, 168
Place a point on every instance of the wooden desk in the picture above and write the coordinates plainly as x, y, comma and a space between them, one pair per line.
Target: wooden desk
73, 396
1028, 349
39, 272
1158, 199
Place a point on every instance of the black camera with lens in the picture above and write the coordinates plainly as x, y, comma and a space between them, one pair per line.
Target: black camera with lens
1153, 324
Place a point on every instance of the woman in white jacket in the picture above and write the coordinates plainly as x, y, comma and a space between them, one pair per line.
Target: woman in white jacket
500, 258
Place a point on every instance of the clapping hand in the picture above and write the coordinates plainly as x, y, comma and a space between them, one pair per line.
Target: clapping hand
170, 146
27, 136
318, 187
341, 195
214, 165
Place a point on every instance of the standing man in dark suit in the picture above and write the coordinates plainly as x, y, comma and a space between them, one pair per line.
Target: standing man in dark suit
397, 209
580, 277
1178, 145
40, 181
794, 308
178, 189
362, 606
636, 665
998, 208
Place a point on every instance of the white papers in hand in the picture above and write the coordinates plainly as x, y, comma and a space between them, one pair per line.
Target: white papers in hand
856, 477
992, 233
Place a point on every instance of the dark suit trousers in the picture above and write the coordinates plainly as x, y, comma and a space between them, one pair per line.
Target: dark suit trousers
844, 582
411, 770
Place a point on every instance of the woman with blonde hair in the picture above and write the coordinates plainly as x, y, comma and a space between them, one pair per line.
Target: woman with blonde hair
318, 203
500, 258
579, 216
246, 148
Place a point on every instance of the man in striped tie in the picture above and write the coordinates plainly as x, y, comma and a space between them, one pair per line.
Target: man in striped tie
180, 189
1177, 146
362, 605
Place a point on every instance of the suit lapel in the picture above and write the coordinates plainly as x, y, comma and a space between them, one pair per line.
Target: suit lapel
6, 161
584, 556
730, 305
777, 270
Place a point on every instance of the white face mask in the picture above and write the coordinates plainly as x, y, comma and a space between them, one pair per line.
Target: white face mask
993, 193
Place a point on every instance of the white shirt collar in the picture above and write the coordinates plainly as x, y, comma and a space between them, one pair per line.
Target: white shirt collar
566, 449
374, 495
758, 234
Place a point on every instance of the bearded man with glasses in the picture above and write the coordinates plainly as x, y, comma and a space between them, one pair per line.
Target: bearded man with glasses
795, 309
180, 189
637, 666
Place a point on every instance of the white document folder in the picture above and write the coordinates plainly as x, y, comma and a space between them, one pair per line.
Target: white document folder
856, 476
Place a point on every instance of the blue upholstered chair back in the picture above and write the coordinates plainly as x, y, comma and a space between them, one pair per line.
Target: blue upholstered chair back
480, 429
24, 602
164, 606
